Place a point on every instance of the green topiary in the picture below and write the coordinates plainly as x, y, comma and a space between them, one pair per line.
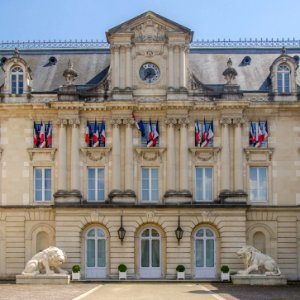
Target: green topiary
180, 268
76, 269
122, 268
225, 269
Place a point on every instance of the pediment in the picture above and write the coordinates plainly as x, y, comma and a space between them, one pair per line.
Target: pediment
149, 27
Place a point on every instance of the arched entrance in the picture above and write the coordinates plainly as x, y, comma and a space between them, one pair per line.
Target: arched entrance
205, 253
95, 253
150, 253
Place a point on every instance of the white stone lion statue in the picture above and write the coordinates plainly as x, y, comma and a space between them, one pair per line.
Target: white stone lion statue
254, 260
46, 262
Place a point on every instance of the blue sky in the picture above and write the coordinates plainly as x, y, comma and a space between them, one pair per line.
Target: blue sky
89, 19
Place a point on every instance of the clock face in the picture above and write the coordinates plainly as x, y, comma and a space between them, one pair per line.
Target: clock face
149, 73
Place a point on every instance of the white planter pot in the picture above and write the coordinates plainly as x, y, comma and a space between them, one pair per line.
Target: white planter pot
225, 276
122, 275
75, 276
180, 275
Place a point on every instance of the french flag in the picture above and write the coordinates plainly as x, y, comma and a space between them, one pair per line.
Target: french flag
139, 125
261, 136
266, 130
49, 136
35, 136
252, 137
102, 133
197, 135
42, 136
96, 135
204, 135
87, 133
151, 141
155, 134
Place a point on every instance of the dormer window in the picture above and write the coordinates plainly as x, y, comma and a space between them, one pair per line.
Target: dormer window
17, 80
283, 79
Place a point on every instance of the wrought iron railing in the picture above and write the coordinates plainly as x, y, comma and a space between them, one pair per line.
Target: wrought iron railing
75, 44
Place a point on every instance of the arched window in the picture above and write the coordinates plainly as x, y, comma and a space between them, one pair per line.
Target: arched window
17, 80
283, 79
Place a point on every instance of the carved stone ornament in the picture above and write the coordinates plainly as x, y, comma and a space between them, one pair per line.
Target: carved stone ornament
70, 74
149, 32
96, 154
204, 154
230, 73
259, 154
152, 154
46, 262
150, 215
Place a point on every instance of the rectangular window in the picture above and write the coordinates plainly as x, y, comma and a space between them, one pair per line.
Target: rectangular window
42, 184
96, 184
204, 184
258, 184
150, 184
151, 137
258, 134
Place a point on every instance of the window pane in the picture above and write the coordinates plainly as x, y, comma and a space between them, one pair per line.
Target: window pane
145, 233
91, 184
91, 233
200, 233
210, 257
209, 233
263, 186
208, 184
155, 233
38, 195
101, 253
199, 254
155, 253
199, 184
90, 245
145, 253
100, 233
47, 195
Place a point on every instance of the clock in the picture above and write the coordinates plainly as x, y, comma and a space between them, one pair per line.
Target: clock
149, 73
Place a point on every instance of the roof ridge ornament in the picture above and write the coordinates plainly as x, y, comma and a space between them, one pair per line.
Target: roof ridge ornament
16, 53
283, 51
230, 72
69, 73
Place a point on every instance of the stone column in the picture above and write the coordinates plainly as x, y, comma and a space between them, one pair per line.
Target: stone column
116, 49
116, 155
238, 155
225, 157
171, 153
183, 163
75, 170
129, 183
62, 155
176, 66
182, 67
128, 67
171, 66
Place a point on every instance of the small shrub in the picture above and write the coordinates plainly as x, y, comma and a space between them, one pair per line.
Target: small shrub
122, 268
180, 268
225, 269
76, 269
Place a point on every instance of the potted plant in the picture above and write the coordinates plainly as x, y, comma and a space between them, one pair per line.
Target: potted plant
225, 274
76, 272
180, 272
122, 271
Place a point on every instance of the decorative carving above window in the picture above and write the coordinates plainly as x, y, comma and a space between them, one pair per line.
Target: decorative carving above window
204, 154
96, 154
153, 154
259, 154
42, 154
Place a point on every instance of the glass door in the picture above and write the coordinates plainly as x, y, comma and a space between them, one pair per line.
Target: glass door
150, 258
95, 263
205, 254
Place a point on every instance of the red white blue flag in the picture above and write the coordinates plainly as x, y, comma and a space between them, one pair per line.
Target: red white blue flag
198, 134
87, 133
102, 133
49, 136
139, 125
252, 136
96, 135
42, 136
35, 135
151, 141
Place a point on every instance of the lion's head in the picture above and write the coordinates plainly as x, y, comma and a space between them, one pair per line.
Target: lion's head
56, 256
246, 253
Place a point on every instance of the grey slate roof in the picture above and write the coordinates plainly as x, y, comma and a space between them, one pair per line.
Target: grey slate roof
207, 65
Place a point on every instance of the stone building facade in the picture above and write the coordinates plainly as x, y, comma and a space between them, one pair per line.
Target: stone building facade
238, 185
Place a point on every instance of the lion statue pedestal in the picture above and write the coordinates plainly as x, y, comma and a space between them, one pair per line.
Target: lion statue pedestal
44, 268
260, 269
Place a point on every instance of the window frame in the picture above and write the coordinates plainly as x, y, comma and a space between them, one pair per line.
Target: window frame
258, 188
43, 188
282, 89
17, 71
204, 193
150, 189
96, 190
